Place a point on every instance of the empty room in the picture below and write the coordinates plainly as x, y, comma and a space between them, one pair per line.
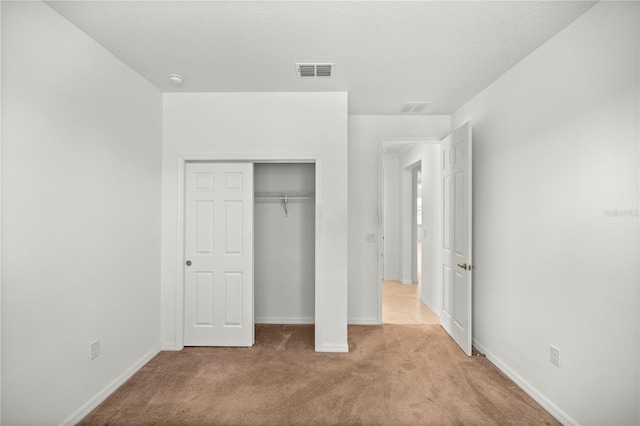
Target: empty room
204, 205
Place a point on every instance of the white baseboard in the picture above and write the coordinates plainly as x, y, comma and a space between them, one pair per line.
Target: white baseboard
283, 320
553, 409
329, 347
170, 347
110, 388
406, 282
363, 321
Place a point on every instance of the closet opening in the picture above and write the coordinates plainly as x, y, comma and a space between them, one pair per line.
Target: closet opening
284, 243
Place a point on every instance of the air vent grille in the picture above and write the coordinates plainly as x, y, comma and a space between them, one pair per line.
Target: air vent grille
315, 70
409, 108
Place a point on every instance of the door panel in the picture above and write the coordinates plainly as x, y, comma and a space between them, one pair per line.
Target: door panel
446, 204
233, 227
233, 299
204, 227
219, 245
456, 317
204, 299
446, 290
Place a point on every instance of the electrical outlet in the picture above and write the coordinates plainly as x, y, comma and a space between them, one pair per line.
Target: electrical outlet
371, 238
554, 355
95, 349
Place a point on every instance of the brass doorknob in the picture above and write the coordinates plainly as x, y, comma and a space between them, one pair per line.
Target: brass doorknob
463, 266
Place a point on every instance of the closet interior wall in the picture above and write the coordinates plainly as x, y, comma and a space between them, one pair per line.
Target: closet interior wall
284, 244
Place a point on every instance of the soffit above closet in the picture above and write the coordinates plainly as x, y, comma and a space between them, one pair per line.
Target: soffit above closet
385, 52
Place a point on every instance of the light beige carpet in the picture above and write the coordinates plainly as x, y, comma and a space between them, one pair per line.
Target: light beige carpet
393, 375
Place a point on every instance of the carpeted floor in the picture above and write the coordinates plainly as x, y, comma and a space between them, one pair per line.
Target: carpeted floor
393, 375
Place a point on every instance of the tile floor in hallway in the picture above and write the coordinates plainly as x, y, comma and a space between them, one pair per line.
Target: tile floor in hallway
401, 305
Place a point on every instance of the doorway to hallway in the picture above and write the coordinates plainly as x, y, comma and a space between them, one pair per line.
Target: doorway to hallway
403, 232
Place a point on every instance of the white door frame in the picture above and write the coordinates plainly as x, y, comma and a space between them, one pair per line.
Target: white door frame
381, 181
182, 160
407, 217
414, 222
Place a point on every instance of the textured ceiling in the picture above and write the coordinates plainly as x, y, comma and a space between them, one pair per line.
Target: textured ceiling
385, 53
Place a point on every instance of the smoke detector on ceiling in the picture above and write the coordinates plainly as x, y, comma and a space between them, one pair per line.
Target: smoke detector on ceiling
176, 79
315, 70
413, 108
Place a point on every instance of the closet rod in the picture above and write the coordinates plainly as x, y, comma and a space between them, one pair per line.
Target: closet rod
278, 196
284, 197
290, 198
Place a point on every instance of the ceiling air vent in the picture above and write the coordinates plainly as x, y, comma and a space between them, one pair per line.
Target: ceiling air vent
413, 108
315, 70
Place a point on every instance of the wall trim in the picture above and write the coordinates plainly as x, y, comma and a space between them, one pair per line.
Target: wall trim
534, 393
332, 347
170, 347
285, 321
363, 321
110, 388
407, 282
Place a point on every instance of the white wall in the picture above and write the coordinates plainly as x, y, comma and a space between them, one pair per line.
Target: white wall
555, 147
252, 126
366, 134
284, 245
81, 170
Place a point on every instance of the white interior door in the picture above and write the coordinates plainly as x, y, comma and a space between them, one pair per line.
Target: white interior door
456, 243
219, 254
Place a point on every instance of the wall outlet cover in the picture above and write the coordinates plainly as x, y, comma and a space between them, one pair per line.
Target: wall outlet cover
95, 349
554, 355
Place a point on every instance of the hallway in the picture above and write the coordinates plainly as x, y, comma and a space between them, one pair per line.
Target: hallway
401, 305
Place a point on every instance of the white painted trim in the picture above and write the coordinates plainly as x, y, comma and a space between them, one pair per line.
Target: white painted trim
182, 159
0, 212
110, 388
318, 289
380, 251
430, 306
180, 278
328, 347
284, 321
553, 409
399, 141
406, 215
639, 251
170, 347
363, 321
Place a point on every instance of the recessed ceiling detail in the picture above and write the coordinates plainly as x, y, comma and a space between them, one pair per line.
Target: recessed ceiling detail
315, 70
412, 108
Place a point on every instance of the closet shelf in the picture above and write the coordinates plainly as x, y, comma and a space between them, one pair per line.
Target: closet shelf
280, 196
284, 197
